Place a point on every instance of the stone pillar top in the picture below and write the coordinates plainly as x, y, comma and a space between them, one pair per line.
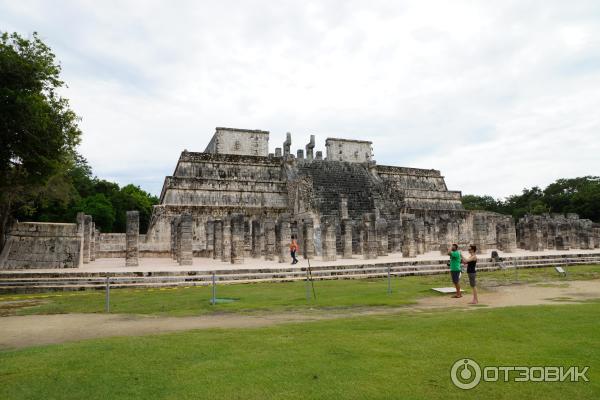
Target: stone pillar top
287, 144
310, 147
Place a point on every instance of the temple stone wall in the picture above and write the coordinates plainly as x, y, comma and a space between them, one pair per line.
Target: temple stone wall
354, 151
239, 141
42, 245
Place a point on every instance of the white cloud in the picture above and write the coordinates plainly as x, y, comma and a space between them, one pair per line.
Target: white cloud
498, 96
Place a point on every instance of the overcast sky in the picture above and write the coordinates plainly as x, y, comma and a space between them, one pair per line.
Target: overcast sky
497, 95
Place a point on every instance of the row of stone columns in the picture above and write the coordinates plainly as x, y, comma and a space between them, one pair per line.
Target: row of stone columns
233, 237
555, 231
181, 239
90, 239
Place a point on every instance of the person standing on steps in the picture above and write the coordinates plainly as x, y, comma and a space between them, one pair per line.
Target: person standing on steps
293, 250
471, 270
455, 259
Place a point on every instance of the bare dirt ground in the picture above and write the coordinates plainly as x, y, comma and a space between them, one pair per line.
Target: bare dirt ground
25, 331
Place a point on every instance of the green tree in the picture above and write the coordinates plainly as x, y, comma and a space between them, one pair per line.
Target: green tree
134, 198
38, 130
487, 203
101, 210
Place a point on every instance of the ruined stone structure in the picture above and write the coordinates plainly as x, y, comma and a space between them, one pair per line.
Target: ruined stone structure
245, 202
557, 232
236, 200
41, 245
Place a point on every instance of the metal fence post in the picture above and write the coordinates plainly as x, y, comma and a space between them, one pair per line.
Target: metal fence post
213, 300
107, 305
307, 287
389, 289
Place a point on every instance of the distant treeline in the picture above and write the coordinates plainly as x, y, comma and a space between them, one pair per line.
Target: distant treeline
576, 195
105, 201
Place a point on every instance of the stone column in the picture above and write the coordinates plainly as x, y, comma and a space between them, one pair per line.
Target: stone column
369, 236
174, 226
247, 234
395, 236
308, 233
81, 235
343, 207
218, 239
382, 237
443, 248
178, 240
328, 239
256, 239
87, 238
284, 239
226, 257
210, 238
237, 238
536, 235
297, 228
346, 228
409, 248
93, 242
310, 147
287, 144
97, 244
132, 238
270, 239
420, 235
506, 236
359, 248
185, 240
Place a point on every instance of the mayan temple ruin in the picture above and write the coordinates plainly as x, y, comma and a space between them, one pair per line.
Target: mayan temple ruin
236, 201
245, 202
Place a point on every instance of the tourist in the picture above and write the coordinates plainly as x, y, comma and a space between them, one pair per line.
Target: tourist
471, 262
455, 259
293, 250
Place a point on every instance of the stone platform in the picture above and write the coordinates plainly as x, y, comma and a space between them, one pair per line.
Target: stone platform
163, 272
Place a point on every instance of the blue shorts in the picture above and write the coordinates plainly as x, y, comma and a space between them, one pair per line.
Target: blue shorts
455, 276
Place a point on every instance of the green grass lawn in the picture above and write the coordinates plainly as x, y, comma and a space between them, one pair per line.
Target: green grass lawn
270, 296
400, 356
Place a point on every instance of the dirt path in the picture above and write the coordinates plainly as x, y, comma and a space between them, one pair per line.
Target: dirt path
25, 331
523, 295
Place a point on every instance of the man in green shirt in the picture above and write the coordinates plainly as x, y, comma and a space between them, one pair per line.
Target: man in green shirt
455, 259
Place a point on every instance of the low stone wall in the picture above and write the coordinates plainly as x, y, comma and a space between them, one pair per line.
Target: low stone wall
42, 245
113, 245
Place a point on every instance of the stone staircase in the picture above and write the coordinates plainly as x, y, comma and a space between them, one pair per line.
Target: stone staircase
33, 281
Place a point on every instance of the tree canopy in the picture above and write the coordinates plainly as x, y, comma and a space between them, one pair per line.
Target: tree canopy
38, 130
576, 195
42, 177
105, 201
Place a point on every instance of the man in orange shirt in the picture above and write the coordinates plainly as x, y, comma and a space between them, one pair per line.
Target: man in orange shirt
293, 250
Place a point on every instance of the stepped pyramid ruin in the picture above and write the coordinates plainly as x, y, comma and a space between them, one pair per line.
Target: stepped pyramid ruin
338, 205
236, 200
